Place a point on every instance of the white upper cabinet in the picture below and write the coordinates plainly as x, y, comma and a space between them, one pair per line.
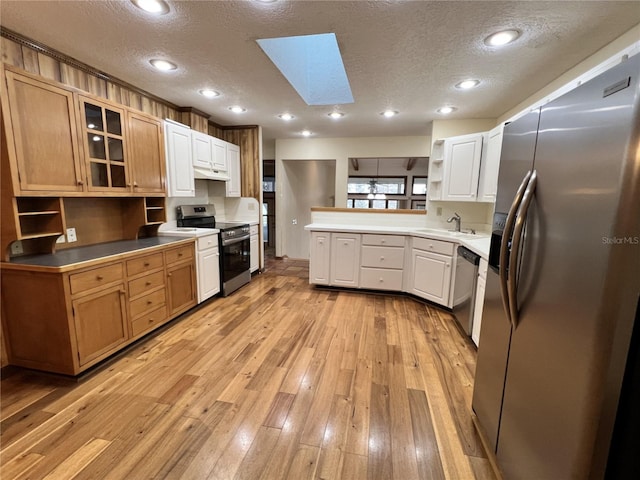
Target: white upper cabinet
488, 185
462, 158
219, 148
180, 177
202, 151
233, 170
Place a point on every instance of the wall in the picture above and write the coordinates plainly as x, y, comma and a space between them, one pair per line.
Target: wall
305, 184
608, 55
340, 150
269, 149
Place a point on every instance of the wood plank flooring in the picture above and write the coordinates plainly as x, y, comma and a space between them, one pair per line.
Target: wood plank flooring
281, 380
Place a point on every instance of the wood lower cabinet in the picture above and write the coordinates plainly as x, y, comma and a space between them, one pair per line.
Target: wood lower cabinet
181, 280
66, 321
100, 322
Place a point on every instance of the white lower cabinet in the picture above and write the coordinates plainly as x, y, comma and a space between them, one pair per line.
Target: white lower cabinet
319, 258
479, 301
379, 262
432, 266
254, 244
345, 259
208, 267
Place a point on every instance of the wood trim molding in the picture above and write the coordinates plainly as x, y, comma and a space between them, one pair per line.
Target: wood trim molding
63, 58
369, 210
194, 110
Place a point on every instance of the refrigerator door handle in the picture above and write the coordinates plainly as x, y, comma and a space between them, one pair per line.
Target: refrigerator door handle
514, 258
504, 245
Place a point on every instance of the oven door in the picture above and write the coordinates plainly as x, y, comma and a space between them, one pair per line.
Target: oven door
235, 258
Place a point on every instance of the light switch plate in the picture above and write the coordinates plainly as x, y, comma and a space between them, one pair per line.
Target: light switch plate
71, 235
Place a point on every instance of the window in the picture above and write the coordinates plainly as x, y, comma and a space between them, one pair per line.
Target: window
366, 203
386, 185
419, 186
269, 184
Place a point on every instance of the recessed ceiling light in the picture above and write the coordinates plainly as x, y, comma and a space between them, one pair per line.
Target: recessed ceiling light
207, 92
336, 115
446, 110
499, 39
237, 109
467, 84
157, 7
267, 1
286, 116
389, 113
163, 65
306, 133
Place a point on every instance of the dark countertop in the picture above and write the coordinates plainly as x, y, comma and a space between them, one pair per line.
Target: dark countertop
74, 256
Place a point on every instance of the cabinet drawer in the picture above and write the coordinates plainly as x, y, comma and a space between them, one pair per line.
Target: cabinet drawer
97, 277
430, 245
143, 264
381, 279
149, 302
149, 321
145, 284
253, 229
383, 240
205, 243
382, 257
178, 254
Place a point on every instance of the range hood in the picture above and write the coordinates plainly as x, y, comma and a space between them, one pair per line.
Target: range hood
209, 174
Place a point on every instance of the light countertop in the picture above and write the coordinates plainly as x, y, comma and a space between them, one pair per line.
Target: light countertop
478, 243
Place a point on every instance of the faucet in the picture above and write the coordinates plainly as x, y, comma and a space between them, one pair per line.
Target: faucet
455, 218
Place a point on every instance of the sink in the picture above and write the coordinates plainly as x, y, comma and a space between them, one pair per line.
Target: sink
440, 231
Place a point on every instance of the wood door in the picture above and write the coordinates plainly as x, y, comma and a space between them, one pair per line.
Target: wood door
181, 287
42, 136
146, 152
101, 323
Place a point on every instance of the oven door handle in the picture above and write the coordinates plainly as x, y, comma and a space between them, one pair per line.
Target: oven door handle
231, 241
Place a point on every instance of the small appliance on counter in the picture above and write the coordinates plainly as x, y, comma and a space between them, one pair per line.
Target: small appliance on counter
234, 245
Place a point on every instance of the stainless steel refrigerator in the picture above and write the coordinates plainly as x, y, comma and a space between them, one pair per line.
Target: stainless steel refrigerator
563, 287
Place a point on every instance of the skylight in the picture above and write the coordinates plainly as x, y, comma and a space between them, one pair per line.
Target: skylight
313, 66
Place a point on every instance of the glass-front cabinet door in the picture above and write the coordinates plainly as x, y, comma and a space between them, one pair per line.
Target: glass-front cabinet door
103, 136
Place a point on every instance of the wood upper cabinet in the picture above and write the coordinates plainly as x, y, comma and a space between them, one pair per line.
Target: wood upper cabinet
41, 134
103, 135
146, 152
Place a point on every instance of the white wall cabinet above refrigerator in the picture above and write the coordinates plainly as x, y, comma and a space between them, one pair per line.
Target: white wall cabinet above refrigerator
488, 183
180, 177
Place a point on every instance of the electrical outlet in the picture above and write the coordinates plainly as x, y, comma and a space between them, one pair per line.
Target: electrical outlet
439, 211
61, 239
71, 235
294, 221
16, 248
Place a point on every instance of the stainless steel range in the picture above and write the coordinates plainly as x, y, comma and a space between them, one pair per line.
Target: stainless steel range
235, 250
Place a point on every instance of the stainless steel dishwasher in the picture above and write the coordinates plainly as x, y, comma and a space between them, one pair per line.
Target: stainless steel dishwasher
464, 291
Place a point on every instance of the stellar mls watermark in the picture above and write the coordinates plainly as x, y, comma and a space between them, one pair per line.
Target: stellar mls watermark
621, 240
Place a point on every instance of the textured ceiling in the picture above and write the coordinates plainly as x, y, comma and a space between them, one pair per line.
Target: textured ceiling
400, 55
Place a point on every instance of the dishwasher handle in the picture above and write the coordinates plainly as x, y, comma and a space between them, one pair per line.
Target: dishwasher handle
468, 255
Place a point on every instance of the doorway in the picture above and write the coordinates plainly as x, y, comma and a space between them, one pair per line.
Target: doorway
269, 206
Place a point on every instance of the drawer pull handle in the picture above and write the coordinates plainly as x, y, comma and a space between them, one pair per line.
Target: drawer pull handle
149, 302
99, 277
430, 245
383, 241
180, 254
381, 280
146, 264
168, 275
381, 257
147, 283
151, 320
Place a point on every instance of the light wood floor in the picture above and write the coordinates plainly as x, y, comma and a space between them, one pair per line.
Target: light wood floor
279, 380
